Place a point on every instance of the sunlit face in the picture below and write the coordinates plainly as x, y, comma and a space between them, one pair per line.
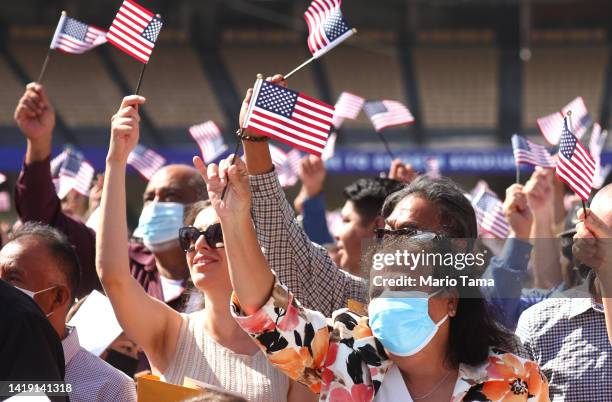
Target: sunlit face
415, 212
207, 265
75, 204
352, 232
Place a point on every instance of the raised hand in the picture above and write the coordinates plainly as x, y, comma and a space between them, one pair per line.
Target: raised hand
237, 200
401, 172
125, 129
517, 211
312, 175
34, 114
540, 191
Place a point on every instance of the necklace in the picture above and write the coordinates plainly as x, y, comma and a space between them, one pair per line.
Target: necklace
434, 389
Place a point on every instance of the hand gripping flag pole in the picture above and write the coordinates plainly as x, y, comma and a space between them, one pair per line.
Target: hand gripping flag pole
240, 131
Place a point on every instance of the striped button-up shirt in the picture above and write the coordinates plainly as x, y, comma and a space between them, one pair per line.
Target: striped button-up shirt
91, 378
303, 266
567, 337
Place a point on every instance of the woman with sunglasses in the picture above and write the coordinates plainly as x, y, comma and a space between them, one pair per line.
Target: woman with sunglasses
424, 343
207, 345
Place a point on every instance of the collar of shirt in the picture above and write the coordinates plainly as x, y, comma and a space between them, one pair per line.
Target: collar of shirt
70, 344
582, 305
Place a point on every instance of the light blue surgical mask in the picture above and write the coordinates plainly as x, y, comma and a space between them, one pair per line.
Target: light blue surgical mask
401, 322
159, 223
32, 294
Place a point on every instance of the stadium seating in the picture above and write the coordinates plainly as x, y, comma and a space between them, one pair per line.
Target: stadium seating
11, 91
556, 75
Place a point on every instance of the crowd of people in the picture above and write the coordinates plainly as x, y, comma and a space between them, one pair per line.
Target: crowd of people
221, 283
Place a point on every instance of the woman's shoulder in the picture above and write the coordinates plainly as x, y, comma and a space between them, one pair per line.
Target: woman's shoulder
503, 374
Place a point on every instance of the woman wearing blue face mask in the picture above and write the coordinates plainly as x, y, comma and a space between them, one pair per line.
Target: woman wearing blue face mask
420, 343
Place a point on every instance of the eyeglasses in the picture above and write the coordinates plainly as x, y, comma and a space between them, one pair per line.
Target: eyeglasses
381, 233
189, 235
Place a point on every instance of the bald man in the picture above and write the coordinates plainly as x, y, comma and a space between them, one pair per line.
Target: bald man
158, 263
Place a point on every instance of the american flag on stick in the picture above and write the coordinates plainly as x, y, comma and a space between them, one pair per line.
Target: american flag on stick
135, 30
575, 166
387, 113
288, 116
327, 28
489, 213
347, 106
72, 36
526, 151
146, 161
210, 140
551, 126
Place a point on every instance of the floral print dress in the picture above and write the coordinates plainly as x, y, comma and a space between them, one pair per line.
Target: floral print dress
342, 361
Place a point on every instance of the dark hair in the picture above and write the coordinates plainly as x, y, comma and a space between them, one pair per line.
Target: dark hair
456, 212
368, 195
59, 247
192, 211
473, 330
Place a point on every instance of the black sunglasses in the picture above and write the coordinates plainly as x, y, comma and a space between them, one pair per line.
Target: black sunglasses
189, 235
408, 232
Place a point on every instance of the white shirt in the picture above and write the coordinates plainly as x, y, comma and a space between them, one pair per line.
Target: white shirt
172, 288
393, 389
91, 378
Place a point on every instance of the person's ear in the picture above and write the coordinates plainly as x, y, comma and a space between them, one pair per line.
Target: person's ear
452, 302
379, 222
61, 297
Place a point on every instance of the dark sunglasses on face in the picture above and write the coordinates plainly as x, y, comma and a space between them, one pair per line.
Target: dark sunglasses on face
189, 235
408, 232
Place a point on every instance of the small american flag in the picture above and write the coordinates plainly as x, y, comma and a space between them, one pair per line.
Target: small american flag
551, 126
286, 164
210, 140
134, 30
79, 181
490, 214
330, 147
5, 201
72, 36
526, 151
432, 167
581, 119
597, 140
327, 27
387, 113
288, 116
575, 166
146, 161
56, 163
347, 106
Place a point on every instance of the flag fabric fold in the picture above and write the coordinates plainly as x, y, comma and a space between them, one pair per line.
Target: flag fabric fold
135, 30
327, 28
575, 166
526, 151
72, 36
347, 106
146, 161
387, 113
288, 116
210, 140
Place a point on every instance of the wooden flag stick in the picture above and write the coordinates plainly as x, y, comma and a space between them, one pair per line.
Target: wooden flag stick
584, 208
518, 173
298, 68
44, 67
233, 162
144, 66
384, 141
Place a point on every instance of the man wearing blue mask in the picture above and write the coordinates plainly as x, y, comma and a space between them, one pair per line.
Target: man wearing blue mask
157, 262
40, 262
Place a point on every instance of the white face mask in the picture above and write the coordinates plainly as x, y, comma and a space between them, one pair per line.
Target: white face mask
32, 294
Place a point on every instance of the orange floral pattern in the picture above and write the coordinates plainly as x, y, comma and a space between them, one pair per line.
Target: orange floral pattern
340, 359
